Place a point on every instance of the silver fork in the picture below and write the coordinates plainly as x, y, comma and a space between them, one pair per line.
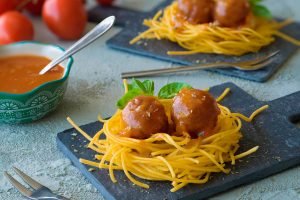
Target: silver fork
249, 65
38, 192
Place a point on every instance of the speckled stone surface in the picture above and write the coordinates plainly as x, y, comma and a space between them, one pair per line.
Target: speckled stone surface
95, 85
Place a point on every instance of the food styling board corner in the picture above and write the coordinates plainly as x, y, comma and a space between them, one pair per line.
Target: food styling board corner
274, 131
132, 22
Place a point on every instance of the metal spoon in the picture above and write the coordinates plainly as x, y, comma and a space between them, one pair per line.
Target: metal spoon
90, 37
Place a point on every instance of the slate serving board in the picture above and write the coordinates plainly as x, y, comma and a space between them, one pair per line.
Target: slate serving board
273, 130
132, 20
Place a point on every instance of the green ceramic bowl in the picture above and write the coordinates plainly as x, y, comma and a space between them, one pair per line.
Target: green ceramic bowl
35, 104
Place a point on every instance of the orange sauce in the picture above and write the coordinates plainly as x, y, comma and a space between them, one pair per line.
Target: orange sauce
20, 74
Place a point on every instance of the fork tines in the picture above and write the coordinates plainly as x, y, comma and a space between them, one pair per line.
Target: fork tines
263, 60
31, 182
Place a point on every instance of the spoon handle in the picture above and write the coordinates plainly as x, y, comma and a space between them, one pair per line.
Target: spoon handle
90, 37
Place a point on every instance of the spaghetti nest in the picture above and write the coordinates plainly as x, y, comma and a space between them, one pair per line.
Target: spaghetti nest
210, 38
163, 157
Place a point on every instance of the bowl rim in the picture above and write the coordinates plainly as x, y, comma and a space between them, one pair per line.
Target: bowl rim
34, 90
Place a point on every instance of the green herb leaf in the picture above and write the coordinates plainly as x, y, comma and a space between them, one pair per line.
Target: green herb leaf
146, 86
261, 11
170, 90
128, 96
136, 88
149, 86
254, 2
138, 84
133, 85
130, 87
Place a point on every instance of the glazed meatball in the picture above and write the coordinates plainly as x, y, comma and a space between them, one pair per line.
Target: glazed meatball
231, 13
144, 116
195, 112
196, 11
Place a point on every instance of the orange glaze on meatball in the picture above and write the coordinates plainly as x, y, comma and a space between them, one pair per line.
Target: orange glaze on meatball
231, 13
196, 11
195, 112
144, 116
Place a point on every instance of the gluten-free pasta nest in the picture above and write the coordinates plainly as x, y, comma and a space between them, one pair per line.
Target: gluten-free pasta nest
200, 138
229, 27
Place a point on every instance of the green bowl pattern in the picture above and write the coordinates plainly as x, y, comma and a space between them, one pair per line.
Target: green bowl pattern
35, 104
34, 108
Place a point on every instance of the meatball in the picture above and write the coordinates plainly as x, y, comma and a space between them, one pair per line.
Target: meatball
195, 112
231, 13
196, 11
144, 116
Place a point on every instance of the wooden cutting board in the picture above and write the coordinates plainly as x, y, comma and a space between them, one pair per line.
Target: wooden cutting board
274, 131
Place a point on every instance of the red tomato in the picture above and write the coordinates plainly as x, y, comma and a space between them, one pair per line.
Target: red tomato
6, 5
15, 27
66, 18
105, 2
35, 7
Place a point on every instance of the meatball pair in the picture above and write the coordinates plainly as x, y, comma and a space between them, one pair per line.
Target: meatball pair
227, 13
193, 111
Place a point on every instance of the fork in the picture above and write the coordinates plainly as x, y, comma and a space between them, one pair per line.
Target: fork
249, 65
38, 192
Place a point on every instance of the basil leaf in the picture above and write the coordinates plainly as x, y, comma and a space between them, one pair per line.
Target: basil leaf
170, 90
138, 84
136, 88
133, 85
254, 2
149, 86
146, 86
128, 96
261, 11
130, 87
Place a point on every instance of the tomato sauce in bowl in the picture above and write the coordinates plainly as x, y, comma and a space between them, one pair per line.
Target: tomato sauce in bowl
20, 74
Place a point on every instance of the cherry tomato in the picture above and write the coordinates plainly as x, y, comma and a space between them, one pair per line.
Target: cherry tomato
66, 18
35, 7
6, 5
105, 2
15, 27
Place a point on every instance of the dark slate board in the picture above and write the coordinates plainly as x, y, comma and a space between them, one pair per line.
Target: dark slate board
124, 17
273, 131
132, 21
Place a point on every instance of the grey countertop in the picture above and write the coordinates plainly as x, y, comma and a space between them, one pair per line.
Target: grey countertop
95, 85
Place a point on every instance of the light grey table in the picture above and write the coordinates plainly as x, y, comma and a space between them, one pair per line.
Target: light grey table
95, 85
